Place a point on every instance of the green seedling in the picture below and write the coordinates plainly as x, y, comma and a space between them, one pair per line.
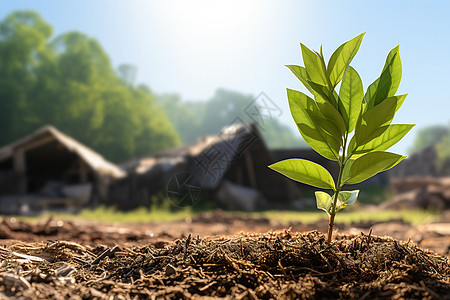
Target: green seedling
352, 128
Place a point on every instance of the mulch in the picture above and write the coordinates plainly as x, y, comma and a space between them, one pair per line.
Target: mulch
275, 265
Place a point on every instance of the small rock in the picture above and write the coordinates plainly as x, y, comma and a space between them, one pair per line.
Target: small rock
12, 280
170, 270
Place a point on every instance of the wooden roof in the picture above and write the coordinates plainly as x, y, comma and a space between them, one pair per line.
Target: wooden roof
49, 133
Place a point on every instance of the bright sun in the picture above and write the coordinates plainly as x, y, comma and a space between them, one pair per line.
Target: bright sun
210, 20
208, 25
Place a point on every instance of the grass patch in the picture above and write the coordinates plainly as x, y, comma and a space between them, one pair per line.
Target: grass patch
111, 215
139, 215
144, 215
347, 217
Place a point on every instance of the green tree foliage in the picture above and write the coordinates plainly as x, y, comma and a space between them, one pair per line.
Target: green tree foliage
193, 119
69, 82
23, 37
186, 116
429, 136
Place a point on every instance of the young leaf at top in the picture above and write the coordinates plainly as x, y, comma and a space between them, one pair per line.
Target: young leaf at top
319, 92
351, 95
341, 58
305, 171
324, 202
346, 198
313, 66
387, 84
371, 164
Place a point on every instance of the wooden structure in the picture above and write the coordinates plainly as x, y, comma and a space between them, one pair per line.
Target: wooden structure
237, 156
47, 165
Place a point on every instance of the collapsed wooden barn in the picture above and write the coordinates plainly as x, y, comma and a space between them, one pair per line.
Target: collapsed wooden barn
48, 169
229, 168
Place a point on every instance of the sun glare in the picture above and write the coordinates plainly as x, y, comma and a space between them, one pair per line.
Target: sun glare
207, 39
205, 26
208, 22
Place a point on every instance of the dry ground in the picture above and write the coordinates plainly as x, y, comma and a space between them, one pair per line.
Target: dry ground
222, 256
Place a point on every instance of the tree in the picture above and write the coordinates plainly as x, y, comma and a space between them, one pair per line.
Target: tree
194, 119
127, 73
280, 136
429, 136
23, 37
69, 82
186, 116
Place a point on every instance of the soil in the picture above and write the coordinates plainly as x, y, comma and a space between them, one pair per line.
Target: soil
219, 255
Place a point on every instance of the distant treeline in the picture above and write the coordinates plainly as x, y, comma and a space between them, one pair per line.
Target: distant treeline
193, 119
68, 81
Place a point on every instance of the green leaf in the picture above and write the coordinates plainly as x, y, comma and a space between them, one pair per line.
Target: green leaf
322, 142
387, 139
387, 84
322, 94
313, 66
298, 104
400, 100
319, 92
331, 114
324, 202
302, 75
324, 67
305, 171
341, 58
371, 164
346, 171
323, 123
365, 135
374, 121
301, 107
351, 95
346, 198
383, 113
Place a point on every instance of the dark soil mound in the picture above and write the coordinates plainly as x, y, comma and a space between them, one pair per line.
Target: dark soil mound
276, 265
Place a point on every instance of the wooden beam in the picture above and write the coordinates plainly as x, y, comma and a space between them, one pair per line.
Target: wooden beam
239, 178
83, 171
37, 143
20, 169
251, 171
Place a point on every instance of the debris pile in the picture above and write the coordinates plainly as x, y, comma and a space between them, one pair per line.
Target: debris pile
419, 192
275, 265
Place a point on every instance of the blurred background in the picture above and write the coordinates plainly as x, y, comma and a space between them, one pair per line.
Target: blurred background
137, 103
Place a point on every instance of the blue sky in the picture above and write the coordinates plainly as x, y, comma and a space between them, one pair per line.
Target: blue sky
194, 47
